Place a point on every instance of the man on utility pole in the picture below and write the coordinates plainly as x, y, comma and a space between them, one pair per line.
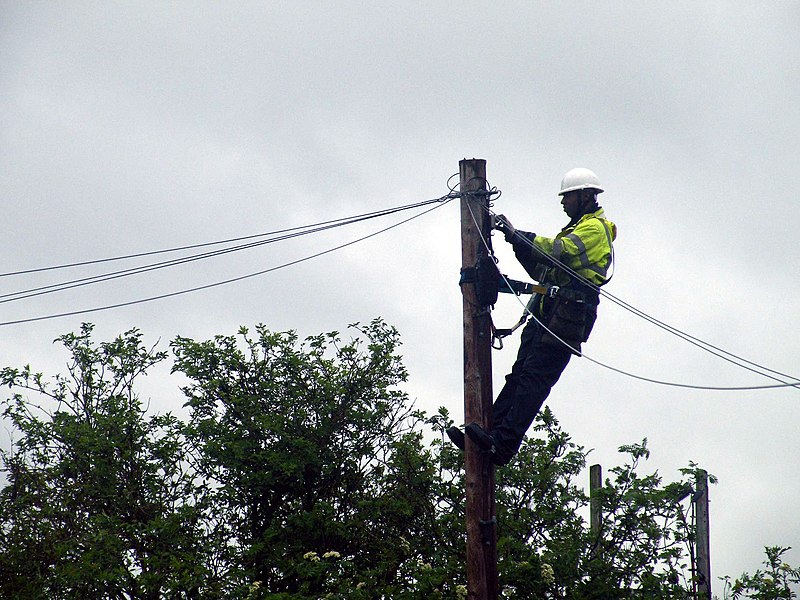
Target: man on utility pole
571, 267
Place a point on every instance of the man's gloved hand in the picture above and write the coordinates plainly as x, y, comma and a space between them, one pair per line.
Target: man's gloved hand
504, 225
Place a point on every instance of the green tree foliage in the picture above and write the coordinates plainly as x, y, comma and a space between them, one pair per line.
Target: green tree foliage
776, 581
302, 471
98, 503
313, 452
545, 548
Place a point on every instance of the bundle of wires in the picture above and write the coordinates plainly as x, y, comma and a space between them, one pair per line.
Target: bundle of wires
225, 246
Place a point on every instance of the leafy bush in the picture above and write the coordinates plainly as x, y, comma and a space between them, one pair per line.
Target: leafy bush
302, 472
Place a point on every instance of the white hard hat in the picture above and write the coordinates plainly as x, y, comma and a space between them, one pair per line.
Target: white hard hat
579, 179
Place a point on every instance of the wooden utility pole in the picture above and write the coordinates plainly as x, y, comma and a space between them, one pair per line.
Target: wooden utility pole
476, 226
702, 535
595, 510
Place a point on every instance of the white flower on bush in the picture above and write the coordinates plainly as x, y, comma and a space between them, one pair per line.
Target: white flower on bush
312, 556
548, 575
331, 554
252, 590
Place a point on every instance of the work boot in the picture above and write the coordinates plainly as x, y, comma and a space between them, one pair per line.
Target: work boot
486, 442
456, 436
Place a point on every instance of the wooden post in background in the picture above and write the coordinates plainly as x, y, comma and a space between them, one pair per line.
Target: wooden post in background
702, 535
479, 470
595, 512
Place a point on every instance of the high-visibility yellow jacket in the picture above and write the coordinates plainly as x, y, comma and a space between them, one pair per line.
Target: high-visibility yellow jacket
585, 247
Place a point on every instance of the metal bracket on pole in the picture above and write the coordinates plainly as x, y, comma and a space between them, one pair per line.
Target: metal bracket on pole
488, 531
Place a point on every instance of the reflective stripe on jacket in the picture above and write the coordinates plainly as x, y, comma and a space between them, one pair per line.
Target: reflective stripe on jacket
584, 247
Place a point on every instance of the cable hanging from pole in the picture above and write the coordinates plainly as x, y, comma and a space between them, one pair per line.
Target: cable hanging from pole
438, 201
289, 232
286, 234
691, 339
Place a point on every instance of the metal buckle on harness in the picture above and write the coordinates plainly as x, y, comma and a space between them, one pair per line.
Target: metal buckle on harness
499, 334
552, 291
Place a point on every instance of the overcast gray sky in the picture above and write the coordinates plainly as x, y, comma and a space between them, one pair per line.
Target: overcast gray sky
127, 127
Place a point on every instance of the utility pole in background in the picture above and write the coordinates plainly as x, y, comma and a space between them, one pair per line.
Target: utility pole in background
702, 544
595, 507
476, 226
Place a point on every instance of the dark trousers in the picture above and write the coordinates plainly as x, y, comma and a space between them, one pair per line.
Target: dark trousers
535, 372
